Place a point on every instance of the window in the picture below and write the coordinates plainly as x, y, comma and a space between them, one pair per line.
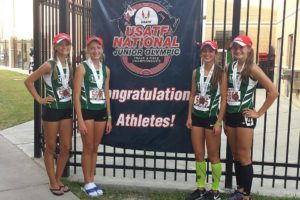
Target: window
278, 51
290, 52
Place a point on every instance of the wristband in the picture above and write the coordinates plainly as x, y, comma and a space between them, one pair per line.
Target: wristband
218, 123
109, 117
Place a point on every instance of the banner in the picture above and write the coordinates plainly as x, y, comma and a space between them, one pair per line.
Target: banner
150, 48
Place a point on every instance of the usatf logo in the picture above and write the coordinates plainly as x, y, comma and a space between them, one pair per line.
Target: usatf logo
147, 40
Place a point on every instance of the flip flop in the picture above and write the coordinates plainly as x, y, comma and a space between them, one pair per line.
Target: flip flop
64, 188
56, 191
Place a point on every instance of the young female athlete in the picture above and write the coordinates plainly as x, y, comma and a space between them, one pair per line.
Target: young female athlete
205, 116
243, 76
57, 115
92, 105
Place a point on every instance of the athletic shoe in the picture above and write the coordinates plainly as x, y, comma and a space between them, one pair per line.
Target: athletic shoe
212, 195
98, 189
197, 195
236, 196
90, 190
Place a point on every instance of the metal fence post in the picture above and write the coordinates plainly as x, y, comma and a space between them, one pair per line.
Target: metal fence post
37, 84
64, 26
235, 31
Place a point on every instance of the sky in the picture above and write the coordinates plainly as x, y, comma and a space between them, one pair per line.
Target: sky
18, 23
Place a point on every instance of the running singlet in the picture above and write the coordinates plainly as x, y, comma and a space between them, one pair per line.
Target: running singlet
239, 97
92, 97
58, 87
207, 104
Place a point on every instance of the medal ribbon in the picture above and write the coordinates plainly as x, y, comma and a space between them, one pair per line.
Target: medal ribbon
236, 81
204, 85
98, 77
64, 77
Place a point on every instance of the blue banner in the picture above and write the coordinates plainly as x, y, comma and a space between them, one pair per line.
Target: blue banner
150, 47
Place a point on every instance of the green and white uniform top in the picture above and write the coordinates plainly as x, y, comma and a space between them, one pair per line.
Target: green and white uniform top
240, 93
92, 87
207, 98
58, 87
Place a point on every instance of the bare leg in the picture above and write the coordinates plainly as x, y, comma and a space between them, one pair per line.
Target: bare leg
99, 128
50, 133
213, 145
87, 153
198, 142
65, 141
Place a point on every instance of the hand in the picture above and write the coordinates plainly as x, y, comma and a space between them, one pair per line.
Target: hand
217, 130
82, 128
46, 100
250, 113
189, 123
225, 128
108, 126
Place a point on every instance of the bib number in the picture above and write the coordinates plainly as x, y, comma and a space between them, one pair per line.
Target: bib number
233, 97
249, 121
64, 94
97, 96
201, 103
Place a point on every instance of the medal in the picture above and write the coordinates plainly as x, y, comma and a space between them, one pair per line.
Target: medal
236, 80
64, 77
204, 85
98, 77
235, 96
65, 92
100, 93
202, 100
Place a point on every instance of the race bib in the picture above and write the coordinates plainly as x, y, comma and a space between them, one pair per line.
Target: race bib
97, 96
233, 97
249, 121
64, 94
202, 102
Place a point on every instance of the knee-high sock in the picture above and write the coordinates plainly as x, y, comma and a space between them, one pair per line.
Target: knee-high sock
237, 169
216, 175
246, 178
201, 173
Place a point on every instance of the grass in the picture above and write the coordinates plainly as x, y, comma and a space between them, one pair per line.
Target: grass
15, 101
17, 107
123, 194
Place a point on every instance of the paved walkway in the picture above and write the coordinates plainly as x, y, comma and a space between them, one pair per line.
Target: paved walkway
23, 177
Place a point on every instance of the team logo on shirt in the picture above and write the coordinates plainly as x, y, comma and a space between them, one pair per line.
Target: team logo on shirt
147, 40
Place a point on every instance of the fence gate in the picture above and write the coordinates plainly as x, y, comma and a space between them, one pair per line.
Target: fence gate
276, 146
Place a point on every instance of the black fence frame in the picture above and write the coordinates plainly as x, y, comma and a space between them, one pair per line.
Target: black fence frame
74, 17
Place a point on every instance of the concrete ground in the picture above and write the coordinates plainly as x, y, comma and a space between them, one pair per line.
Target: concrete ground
22, 176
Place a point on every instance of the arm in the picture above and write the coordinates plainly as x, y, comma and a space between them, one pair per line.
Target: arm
79, 74
106, 91
29, 83
272, 92
223, 90
191, 100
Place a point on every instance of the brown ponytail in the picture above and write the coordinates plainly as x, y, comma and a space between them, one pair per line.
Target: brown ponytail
248, 64
217, 76
55, 72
